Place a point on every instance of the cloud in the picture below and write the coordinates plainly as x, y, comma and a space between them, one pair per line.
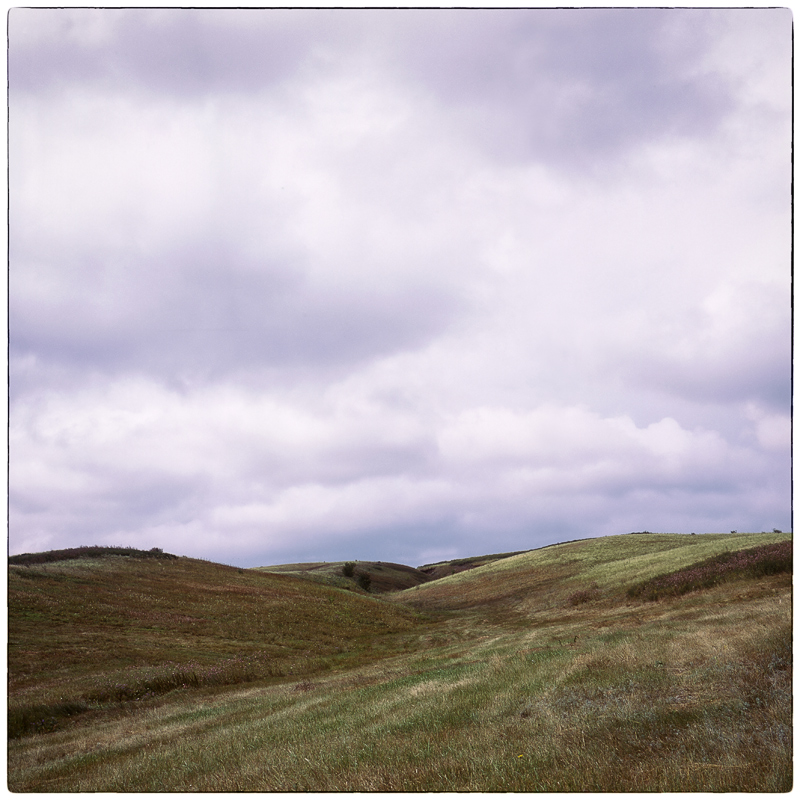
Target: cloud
571, 87
179, 53
390, 283
248, 474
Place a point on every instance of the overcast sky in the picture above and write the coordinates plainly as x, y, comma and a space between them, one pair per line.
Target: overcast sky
397, 285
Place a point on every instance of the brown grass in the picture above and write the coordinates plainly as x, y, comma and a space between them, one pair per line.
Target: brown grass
522, 692
83, 633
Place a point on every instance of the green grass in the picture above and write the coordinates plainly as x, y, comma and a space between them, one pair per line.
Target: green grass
383, 576
545, 578
503, 685
87, 632
767, 559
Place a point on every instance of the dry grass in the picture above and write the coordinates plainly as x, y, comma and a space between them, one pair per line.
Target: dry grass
527, 693
87, 633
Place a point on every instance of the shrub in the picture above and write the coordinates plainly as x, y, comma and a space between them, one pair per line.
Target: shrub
348, 570
41, 718
584, 596
85, 551
364, 581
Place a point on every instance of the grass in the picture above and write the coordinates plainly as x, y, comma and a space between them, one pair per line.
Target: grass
382, 576
84, 633
504, 684
768, 559
540, 580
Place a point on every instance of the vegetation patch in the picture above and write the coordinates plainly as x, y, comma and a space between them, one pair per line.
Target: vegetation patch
754, 562
584, 596
90, 551
376, 577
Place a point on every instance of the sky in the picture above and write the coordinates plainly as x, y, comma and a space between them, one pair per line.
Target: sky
399, 285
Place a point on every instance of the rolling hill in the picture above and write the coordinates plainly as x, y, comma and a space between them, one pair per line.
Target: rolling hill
382, 576
658, 662
542, 579
85, 632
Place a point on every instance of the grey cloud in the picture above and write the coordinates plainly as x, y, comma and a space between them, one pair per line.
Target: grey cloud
569, 86
177, 51
205, 362
762, 376
751, 364
194, 312
559, 86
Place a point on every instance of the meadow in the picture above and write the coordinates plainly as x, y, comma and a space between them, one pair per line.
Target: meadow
540, 671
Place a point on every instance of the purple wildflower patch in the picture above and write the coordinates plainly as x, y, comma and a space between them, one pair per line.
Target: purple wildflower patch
754, 562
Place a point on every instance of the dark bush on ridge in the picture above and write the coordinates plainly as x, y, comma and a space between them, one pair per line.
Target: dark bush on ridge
93, 551
755, 562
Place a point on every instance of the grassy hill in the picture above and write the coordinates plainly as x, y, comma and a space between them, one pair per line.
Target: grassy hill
542, 671
381, 576
88, 632
538, 580
441, 569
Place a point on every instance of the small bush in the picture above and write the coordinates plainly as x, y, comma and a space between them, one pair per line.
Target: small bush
584, 596
348, 570
364, 581
41, 718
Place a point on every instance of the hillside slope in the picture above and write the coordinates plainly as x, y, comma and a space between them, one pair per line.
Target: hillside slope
383, 576
88, 631
537, 673
441, 569
544, 579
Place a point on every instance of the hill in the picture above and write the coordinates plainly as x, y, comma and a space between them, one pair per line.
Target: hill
86, 632
622, 664
441, 569
381, 576
374, 576
539, 580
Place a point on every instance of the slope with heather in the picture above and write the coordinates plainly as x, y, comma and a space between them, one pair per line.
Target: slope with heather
84, 632
539, 672
538, 580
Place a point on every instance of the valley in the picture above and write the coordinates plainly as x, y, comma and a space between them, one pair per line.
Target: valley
535, 671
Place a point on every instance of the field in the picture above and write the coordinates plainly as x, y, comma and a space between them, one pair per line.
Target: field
535, 672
